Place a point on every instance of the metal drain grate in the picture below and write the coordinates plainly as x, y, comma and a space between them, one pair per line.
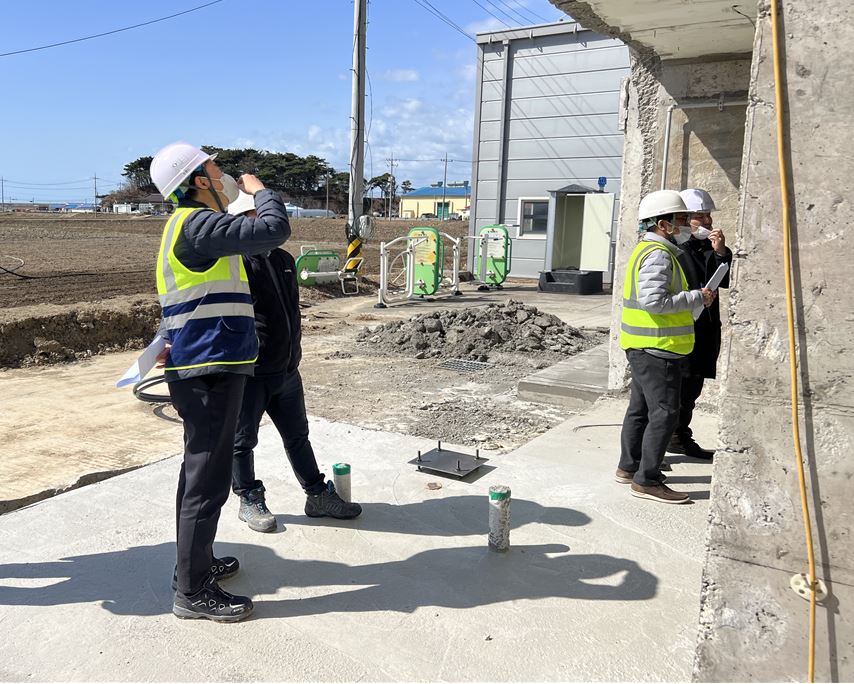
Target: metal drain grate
465, 366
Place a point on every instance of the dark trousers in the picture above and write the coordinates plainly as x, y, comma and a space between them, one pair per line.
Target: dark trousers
652, 414
209, 406
692, 387
282, 397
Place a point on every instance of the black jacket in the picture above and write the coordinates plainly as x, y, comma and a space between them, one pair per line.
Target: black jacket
208, 235
700, 261
277, 313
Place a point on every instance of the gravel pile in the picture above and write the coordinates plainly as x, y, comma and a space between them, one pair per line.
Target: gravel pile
477, 332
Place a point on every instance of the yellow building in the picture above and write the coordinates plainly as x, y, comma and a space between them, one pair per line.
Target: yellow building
428, 200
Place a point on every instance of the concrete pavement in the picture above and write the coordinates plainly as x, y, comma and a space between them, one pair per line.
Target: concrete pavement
598, 585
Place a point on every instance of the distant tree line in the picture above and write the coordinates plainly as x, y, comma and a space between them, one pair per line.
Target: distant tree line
301, 180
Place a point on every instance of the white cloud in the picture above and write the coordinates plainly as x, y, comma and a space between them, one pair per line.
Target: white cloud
400, 75
408, 128
491, 24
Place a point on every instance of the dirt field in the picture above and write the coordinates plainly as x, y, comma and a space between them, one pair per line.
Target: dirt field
81, 258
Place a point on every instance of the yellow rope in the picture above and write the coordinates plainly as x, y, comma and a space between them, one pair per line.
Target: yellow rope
790, 312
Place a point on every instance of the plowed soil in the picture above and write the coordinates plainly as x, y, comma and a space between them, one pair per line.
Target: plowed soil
82, 258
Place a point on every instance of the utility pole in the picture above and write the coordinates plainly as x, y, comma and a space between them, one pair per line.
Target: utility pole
445, 190
95, 201
357, 122
327, 194
392, 182
3, 194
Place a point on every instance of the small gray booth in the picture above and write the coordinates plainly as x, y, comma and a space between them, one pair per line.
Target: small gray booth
578, 240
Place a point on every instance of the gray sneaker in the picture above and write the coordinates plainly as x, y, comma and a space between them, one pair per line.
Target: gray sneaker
329, 503
254, 511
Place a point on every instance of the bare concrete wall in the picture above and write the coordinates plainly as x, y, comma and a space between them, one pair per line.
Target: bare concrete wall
705, 151
753, 626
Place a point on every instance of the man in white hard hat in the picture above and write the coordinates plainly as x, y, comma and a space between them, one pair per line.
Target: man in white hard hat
276, 389
209, 324
657, 332
701, 252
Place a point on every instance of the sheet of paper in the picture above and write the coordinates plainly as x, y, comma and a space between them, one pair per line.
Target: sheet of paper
146, 361
717, 277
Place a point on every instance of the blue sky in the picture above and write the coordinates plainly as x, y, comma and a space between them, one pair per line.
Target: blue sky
269, 74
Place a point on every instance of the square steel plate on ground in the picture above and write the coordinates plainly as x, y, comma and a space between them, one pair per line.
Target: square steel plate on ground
453, 463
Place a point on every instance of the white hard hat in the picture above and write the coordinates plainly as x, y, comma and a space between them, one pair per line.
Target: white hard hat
244, 202
175, 163
659, 203
698, 200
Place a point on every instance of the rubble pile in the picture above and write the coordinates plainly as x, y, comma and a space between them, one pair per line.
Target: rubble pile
475, 333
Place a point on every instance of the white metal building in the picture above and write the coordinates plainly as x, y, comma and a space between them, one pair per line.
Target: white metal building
546, 116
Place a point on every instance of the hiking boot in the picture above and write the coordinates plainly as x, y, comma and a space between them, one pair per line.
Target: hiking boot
625, 477
212, 603
254, 511
329, 503
660, 492
687, 446
221, 568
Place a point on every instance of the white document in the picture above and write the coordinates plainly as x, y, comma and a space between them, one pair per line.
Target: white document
146, 361
713, 284
717, 277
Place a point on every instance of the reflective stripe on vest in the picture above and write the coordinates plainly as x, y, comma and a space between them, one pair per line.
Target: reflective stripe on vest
207, 315
639, 329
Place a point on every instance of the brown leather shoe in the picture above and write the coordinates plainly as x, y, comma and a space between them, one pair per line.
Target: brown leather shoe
660, 492
625, 477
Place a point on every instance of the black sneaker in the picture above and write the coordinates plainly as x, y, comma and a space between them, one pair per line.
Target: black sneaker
687, 446
329, 503
254, 512
212, 603
221, 568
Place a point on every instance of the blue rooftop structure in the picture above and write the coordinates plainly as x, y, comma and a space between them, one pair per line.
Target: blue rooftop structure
438, 191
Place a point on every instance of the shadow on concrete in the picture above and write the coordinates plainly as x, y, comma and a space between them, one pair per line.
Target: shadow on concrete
689, 479
136, 581
454, 578
451, 516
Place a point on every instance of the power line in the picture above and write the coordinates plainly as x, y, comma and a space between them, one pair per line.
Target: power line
108, 33
425, 4
492, 14
510, 8
56, 184
517, 6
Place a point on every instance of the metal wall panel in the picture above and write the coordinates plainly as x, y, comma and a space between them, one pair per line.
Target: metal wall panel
561, 170
549, 86
598, 146
561, 125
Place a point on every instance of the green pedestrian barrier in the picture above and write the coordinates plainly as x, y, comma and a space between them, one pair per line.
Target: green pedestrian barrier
428, 260
498, 252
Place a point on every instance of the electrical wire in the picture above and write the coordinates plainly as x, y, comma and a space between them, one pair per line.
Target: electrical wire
517, 6
9, 181
790, 316
426, 5
108, 33
493, 15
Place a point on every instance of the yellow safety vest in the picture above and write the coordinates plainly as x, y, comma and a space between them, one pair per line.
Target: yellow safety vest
207, 315
639, 329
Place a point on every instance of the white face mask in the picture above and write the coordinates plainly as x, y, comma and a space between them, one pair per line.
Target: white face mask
702, 233
229, 187
682, 236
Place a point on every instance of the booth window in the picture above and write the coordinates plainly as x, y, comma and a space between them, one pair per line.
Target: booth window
534, 217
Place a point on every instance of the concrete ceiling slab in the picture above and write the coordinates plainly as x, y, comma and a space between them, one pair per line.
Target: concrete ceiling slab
672, 29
